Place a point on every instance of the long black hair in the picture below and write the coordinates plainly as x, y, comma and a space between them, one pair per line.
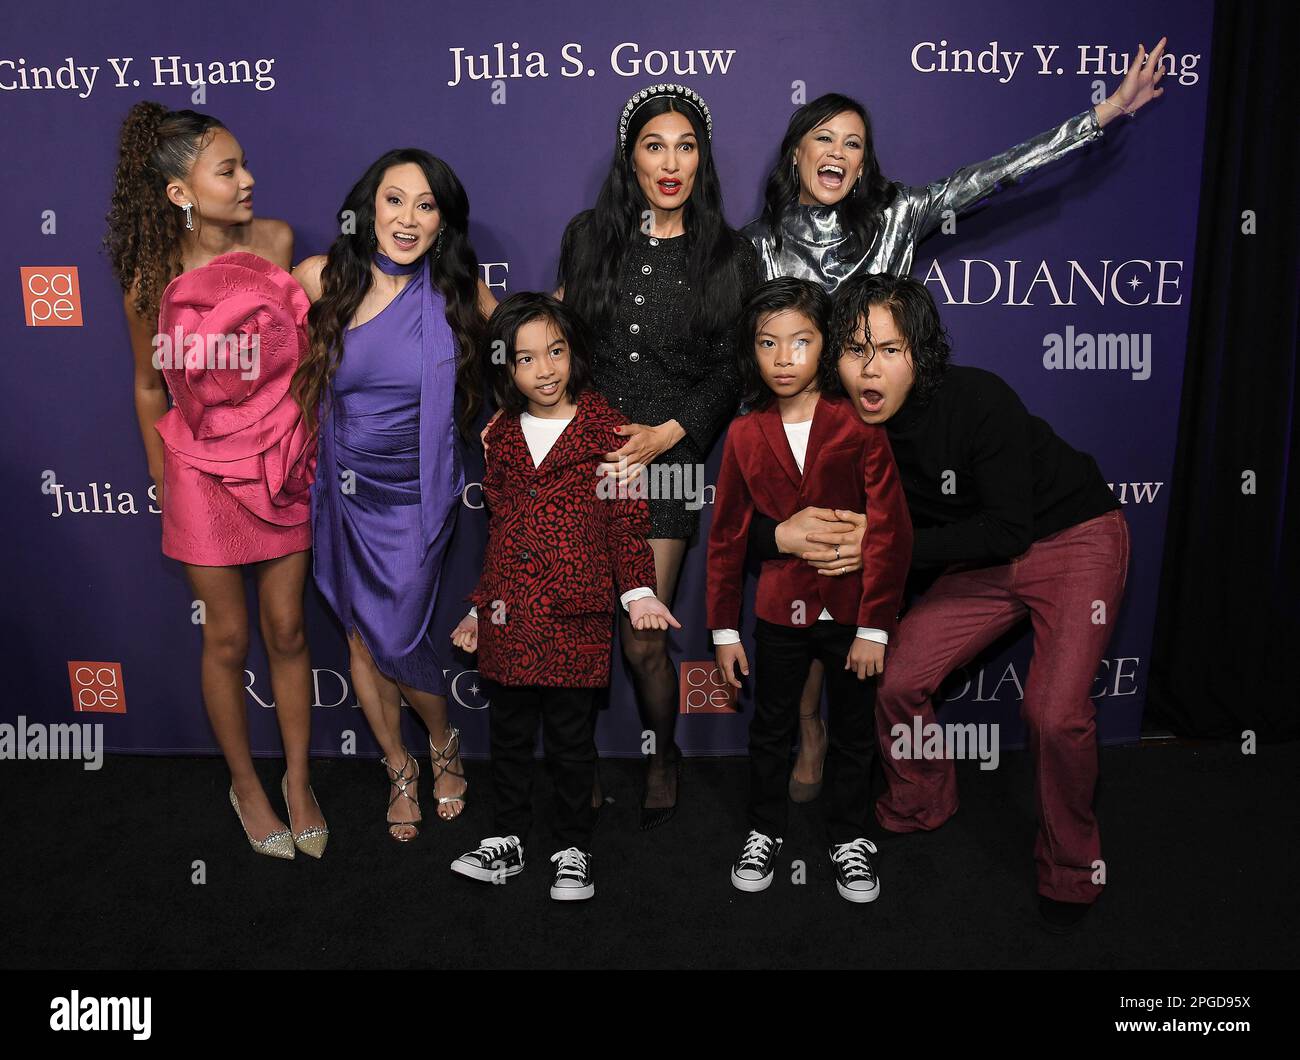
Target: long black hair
346, 278
859, 210
777, 296
497, 354
596, 241
915, 315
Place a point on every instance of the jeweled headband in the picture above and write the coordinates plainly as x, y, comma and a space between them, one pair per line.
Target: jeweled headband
654, 92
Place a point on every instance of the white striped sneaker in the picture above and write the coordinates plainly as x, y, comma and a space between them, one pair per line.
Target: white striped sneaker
572, 875
754, 869
855, 875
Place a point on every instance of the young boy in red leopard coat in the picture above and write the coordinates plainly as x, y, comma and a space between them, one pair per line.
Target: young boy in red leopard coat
559, 542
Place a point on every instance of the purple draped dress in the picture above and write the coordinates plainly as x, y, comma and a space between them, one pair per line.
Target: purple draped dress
389, 478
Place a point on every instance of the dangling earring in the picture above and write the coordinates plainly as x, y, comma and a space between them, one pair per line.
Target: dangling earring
374, 239
189, 216
437, 245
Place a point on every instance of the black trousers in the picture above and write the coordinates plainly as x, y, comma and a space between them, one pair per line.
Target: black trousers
568, 717
783, 657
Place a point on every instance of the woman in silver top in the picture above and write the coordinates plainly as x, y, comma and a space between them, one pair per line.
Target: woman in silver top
829, 213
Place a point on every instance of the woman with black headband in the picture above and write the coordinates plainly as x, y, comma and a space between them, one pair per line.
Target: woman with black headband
659, 275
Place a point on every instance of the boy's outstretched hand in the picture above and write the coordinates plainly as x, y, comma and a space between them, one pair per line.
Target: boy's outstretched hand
728, 656
465, 635
650, 613
866, 658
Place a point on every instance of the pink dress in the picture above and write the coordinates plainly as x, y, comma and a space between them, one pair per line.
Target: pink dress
238, 461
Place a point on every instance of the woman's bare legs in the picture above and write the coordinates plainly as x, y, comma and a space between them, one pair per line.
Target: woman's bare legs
381, 703
280, 585
433, 712
655, 679
225, 648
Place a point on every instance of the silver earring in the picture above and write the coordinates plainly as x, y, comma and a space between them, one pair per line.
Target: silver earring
189, 216
437, 245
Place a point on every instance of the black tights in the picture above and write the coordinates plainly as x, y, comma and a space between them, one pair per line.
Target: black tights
654, 677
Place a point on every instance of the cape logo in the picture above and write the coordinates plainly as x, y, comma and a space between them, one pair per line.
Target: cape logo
51, 296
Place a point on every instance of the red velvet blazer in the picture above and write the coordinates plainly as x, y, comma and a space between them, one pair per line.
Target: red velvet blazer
556, 551
849, 465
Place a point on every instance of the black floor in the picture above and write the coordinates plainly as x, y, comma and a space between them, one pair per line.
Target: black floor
95, 873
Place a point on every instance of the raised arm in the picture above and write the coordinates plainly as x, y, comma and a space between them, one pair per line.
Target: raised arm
974, 183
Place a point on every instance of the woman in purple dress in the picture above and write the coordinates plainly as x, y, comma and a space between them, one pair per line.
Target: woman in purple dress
396, 302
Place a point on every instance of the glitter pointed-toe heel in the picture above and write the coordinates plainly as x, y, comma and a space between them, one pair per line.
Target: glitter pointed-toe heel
276, 845
311, 840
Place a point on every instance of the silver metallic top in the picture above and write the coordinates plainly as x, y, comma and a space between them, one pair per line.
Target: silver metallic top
812, 238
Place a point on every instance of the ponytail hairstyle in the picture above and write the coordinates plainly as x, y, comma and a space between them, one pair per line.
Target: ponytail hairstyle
503, 331
156, 146
347, 277
597, 241
777, 296
859, 211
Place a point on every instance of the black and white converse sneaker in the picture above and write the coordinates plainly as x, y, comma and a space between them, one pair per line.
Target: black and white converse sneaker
572, 875
855, 876
496, 859
754, 869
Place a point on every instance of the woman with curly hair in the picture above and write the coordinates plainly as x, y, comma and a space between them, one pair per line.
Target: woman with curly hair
397, 316
214, 314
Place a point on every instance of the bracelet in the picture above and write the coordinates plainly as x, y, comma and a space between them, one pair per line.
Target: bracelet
1122, 110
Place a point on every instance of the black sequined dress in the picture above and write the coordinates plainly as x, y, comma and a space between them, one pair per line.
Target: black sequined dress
653, 370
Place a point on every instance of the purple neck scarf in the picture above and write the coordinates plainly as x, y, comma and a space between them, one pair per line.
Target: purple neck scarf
442, 476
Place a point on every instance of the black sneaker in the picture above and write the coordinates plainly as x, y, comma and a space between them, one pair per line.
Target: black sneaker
572, 875
855, 876
754, 869
496, 859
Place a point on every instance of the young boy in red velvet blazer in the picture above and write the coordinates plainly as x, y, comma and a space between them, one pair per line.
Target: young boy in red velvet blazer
802, 445
543, 615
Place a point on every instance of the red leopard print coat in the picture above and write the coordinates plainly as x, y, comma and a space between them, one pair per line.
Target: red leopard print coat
556, 552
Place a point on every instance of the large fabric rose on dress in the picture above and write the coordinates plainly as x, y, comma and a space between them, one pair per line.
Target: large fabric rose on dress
231, 335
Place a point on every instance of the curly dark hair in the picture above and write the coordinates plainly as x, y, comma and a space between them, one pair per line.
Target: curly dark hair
502, 331
929, 347
777, 296
155, 147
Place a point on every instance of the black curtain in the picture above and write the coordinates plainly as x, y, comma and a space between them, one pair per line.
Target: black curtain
1226, 654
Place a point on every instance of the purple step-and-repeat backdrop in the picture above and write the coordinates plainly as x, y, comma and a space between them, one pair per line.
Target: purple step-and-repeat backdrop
523, 101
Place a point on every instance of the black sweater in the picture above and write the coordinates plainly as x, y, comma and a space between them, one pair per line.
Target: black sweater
984, 479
